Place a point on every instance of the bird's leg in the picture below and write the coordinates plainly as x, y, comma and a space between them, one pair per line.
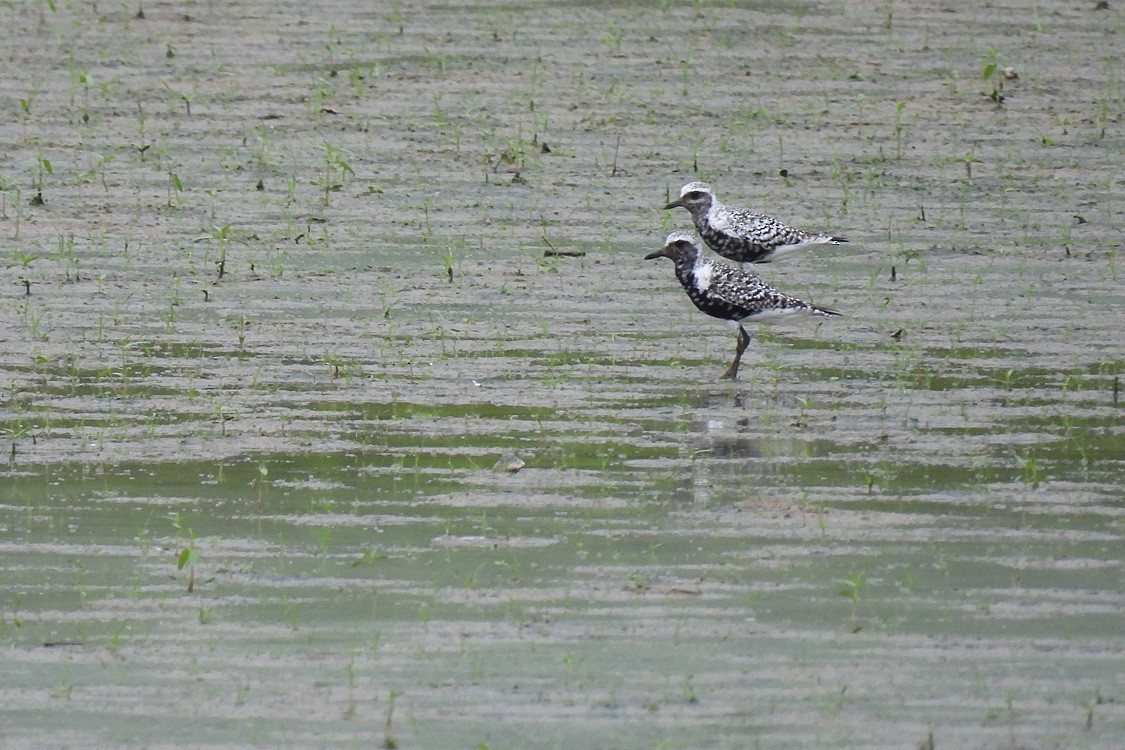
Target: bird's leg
743, 342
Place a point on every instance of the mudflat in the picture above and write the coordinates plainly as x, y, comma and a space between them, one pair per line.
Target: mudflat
341, 408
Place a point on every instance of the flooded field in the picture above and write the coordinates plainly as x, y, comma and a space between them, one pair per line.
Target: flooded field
289, 288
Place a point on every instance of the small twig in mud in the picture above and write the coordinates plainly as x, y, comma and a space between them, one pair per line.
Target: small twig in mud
551, 252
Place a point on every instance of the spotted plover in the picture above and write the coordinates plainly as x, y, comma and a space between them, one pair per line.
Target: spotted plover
728, 293
741, 235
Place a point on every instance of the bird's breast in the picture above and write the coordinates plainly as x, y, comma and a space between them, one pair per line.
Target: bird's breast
717, 218
701, 276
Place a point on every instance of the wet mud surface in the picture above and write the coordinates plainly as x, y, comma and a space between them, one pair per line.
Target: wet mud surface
301, 276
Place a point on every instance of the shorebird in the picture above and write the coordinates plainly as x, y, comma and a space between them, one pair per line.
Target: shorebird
741, 235
728, 293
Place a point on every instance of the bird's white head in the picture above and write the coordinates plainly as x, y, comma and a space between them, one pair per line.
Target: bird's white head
693, 196
677, 245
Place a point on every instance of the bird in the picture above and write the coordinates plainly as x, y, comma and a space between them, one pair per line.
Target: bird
741, 235
726, 292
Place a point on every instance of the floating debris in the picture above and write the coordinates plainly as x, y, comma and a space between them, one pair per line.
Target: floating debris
510, 463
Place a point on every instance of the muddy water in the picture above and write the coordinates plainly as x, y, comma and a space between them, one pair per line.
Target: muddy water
285, 306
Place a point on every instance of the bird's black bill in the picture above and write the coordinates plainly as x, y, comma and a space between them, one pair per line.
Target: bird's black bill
661, 253
673, 204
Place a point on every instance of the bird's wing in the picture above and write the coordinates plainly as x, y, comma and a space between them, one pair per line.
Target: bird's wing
742, 289
764, 229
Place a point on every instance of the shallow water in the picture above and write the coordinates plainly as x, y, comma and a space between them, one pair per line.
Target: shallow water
903, 522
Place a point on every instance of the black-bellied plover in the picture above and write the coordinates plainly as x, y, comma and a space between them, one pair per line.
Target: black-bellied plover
728, 293
741, 235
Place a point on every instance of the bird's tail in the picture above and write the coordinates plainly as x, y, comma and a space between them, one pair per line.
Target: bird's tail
826, 239
823, 311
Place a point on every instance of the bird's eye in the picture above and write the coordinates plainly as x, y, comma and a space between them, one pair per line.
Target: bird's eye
695, 195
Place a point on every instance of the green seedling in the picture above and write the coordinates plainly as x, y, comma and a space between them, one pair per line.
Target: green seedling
176, 189
447, 260
386, 297
969, 159
14, 432
911, 254
262, 150
17, 203
843, 177
324, 540
898, 129
337, 363
639, 582
871, 475
222, 237
25, 259
851, 586
330, 46
396, 18
241, 328
614, 35
989, 72
1088, 709
105, 88
221, 416
66, 258
84, 82
336, 169
189, 555
687, 690
1108, 102
389, 742
427, 230
25, 107
175, 299
43, 168
184, 96
1030, 470
143, 145
368, 556
355, 80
